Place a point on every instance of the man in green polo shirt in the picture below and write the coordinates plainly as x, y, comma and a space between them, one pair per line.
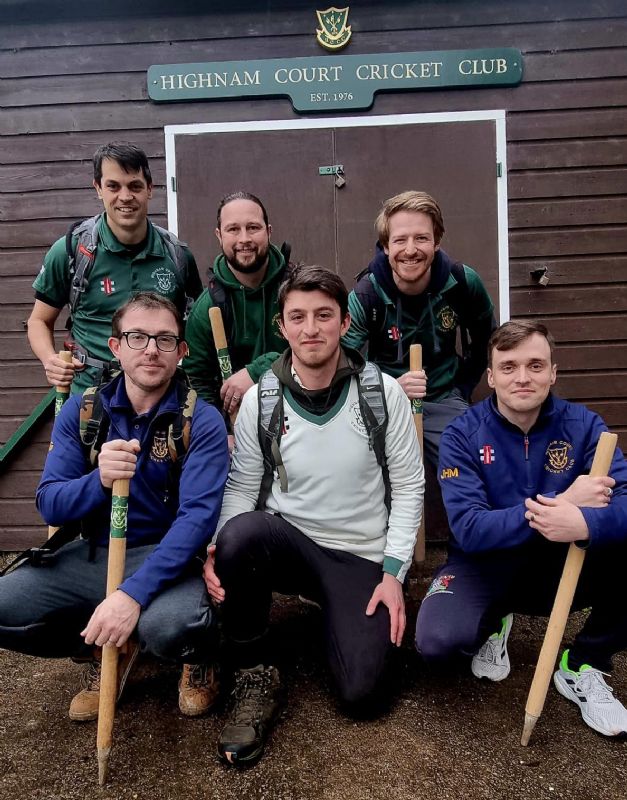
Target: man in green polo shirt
130, 255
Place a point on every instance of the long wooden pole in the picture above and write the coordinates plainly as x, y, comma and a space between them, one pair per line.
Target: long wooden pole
109, 668
563, 601
222, 348
61, 395
415, 365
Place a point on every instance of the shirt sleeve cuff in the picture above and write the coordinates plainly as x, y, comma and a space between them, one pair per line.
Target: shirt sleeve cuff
393, 566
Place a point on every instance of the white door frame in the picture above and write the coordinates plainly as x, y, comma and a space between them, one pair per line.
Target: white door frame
498, 116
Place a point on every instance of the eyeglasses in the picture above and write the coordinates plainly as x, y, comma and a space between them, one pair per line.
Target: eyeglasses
166, 342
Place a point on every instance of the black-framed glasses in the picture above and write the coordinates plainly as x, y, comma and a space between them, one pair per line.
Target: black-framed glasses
166, 342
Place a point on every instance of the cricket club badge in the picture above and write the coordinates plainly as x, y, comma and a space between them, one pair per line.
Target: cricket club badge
159, 450
334, 33
447, 318
356, 419
559, 457
165, 279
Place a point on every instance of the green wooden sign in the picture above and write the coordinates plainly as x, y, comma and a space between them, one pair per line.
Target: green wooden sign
334, 83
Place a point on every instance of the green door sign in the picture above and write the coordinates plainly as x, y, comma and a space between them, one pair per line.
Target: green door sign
334, 83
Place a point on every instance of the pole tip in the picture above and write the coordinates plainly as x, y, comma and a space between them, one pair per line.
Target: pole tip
103, 762
530, 723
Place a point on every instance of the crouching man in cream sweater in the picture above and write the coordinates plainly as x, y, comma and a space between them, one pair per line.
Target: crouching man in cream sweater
323, 500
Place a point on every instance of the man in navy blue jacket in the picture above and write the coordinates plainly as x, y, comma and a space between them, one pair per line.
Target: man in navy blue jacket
513, 471
173, 509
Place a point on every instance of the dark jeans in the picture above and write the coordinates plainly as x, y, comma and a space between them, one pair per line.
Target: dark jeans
43, 609
470, 594
258, 553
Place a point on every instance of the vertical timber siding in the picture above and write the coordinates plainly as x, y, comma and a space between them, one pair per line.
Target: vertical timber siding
71, 81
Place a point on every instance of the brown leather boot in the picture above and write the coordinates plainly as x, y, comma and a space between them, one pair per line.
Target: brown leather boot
198, 689
84, 705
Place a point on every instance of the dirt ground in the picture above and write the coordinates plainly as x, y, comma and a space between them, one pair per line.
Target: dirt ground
445, 736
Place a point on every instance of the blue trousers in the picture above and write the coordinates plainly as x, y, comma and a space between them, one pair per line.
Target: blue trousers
469, 595
44, 608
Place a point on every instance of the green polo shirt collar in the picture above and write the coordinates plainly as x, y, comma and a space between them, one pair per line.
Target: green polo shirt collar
154, 245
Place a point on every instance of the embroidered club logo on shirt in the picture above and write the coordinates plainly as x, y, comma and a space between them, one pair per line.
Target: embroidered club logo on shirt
165, 278
394, 333
447, 318
487, 454
356, 420
559, 457
107, 286
159, 451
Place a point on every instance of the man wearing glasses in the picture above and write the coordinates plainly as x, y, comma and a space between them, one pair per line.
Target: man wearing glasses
57, 609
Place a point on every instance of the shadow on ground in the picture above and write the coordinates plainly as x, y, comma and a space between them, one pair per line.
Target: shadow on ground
446, 736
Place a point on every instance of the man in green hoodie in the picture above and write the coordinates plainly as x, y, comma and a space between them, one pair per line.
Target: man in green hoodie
244, 282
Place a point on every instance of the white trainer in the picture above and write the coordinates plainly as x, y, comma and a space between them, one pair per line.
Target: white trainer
492, 659
588, 689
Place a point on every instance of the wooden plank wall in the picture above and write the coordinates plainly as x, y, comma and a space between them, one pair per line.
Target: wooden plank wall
73, 79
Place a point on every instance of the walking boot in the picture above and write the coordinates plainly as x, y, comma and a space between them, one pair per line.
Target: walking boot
198, 689
84, 705
257, 700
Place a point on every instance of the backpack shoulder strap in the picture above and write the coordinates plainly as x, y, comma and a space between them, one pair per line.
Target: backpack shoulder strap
175, 248
218, 298
81, 257
176, 251
94, 424
270, 416
371, 302
374, 411
461, 302
180, 429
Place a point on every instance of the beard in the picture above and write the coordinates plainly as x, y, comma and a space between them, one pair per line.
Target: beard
259, 262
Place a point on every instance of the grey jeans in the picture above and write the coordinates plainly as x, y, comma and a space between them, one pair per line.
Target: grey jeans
436, 417
44, 608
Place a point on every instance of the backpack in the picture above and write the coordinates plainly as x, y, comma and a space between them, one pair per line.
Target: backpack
374, 413
94, 426
374, 305
218, 294
81, 257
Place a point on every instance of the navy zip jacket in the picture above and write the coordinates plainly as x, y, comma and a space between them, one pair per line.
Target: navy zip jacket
489, 467
181, 522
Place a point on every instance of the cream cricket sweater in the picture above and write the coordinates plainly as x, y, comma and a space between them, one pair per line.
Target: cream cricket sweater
335, 486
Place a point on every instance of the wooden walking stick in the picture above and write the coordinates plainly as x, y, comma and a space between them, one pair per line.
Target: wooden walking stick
61, 395
222, 348
415, 365
109, 667
561, 606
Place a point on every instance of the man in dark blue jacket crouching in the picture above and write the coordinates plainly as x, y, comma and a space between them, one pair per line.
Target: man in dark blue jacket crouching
54, 608
514, 477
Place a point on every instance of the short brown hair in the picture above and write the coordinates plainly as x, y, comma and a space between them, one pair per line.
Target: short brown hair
150, 301
510, 334
409, 201
312, 278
